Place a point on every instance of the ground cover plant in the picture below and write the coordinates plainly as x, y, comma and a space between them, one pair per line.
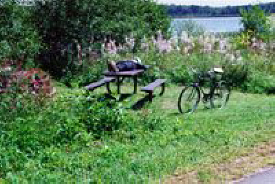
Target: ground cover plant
63, 143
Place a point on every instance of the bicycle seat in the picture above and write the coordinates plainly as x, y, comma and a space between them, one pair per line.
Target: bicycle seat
218, 70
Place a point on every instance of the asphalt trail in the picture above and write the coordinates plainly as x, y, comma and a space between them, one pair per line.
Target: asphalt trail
265, 177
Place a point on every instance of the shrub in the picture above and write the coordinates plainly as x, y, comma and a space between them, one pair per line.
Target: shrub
86, 74
236, 75
259, 82
180, 74
255, 22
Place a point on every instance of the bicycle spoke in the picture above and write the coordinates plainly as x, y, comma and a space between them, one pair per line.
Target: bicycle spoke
221, 95
188, 100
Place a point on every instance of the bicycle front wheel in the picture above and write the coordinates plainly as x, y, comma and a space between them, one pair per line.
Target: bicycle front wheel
221, 95
188, 100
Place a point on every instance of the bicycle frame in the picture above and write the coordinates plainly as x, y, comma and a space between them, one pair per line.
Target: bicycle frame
202, 78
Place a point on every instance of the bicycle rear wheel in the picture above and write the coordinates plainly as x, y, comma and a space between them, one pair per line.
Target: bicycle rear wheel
220, 96
188, 100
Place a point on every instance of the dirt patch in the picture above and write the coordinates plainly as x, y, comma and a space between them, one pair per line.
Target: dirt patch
251, 161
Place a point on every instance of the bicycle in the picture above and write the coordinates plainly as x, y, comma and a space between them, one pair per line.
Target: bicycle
217, 95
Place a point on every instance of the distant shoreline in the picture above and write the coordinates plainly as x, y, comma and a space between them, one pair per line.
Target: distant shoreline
190, 17
212, 24
194, 17
187, 11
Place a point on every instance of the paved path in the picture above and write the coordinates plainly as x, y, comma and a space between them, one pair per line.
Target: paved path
265, 177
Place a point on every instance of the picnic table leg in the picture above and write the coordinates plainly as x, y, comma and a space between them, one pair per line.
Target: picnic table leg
135, 84
150, 96
118, 85
108, 88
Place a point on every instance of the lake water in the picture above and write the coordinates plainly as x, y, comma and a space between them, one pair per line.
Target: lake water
215, 24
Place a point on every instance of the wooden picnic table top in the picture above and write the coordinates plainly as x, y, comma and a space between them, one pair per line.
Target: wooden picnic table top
124, 73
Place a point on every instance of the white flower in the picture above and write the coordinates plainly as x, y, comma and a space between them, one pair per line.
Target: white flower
253, 39
160, 36
184, 36
207, 47
201, 40
262, 46
212, 39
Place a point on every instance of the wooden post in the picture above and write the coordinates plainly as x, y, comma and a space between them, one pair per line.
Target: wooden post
118, 85
135, 84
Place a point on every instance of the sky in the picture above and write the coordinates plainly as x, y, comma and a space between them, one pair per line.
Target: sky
213, 2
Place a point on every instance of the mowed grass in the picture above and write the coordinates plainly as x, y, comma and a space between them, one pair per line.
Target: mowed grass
176, 142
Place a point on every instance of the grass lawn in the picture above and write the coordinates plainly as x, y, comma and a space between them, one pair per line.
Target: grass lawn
177, 143
165, 143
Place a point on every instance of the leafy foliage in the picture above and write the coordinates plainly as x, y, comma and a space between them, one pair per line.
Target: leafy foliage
28, 128
64, 24
255, 22
18, 38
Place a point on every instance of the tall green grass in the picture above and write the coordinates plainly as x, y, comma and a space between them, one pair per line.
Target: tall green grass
55, 144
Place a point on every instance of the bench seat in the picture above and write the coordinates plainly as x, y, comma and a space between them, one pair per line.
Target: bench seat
105, 80
150, 87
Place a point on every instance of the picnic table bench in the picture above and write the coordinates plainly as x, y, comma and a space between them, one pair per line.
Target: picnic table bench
105, 80
151, 87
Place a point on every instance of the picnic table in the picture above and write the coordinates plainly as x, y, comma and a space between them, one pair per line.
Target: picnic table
118, 75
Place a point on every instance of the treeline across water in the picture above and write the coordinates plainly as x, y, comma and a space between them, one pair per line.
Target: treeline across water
207, 11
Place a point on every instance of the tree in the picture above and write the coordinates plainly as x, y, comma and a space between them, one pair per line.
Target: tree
63, 22
18, 38
255, 22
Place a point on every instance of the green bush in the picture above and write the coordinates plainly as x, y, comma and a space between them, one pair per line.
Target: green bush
180, 74
87, 74
236, 75
259, 82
